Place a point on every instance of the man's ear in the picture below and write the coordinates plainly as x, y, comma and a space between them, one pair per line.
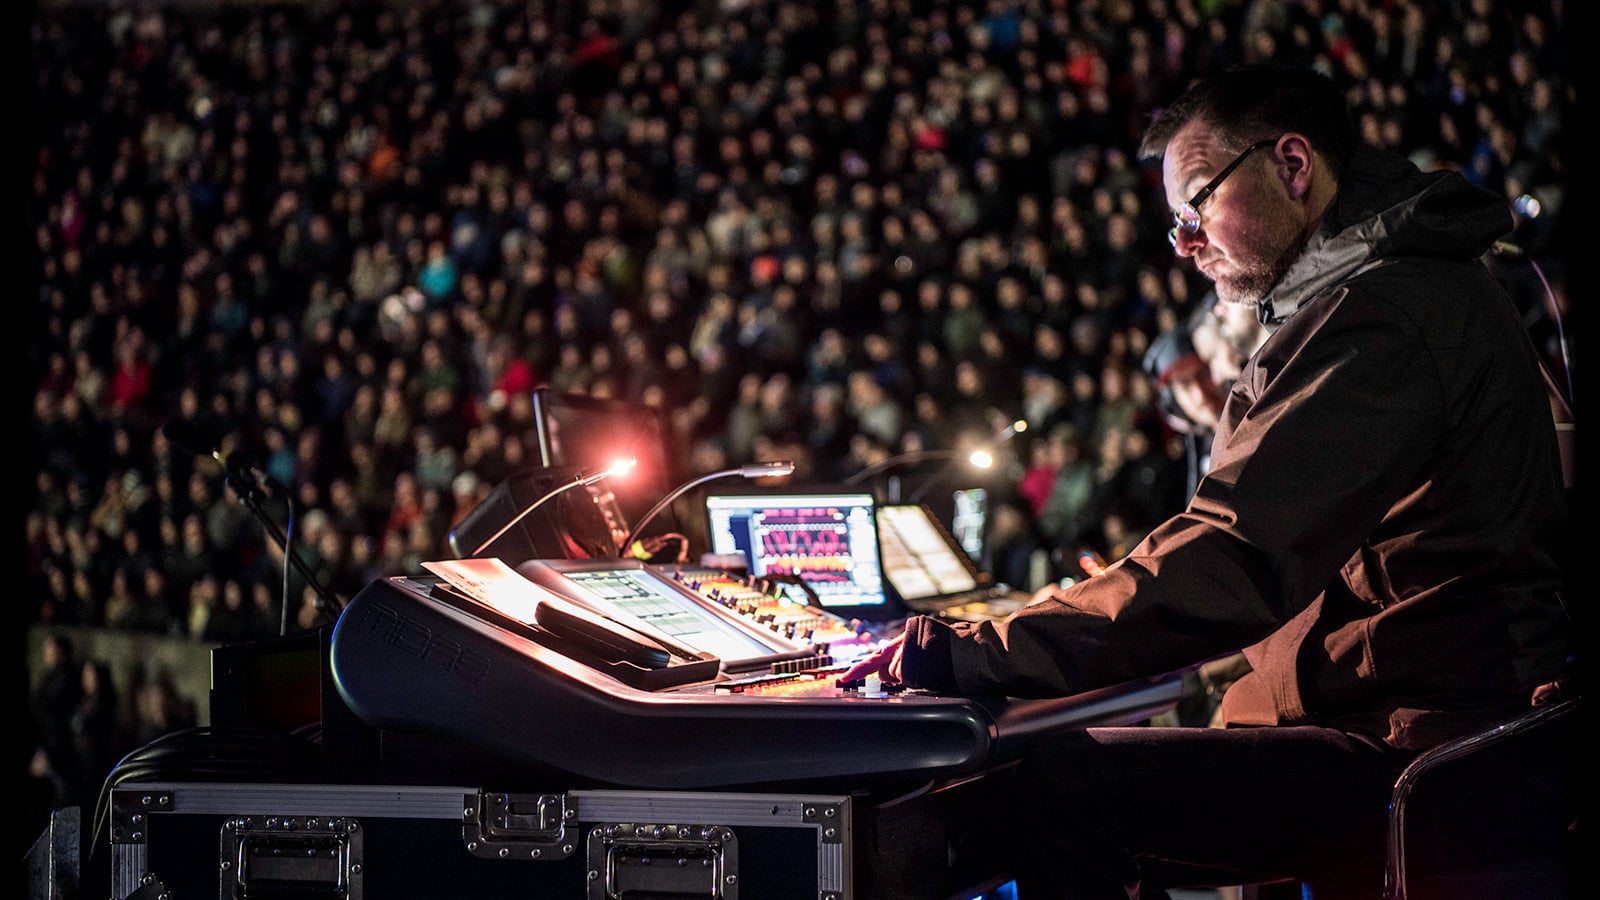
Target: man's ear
1296, 163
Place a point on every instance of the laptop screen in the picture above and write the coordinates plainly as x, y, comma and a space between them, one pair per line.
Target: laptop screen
920, 560
827, 538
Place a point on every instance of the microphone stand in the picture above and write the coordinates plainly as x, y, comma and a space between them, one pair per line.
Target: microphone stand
580, 481
754, 470
242, 480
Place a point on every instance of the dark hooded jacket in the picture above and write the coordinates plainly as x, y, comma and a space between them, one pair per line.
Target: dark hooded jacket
1382, 525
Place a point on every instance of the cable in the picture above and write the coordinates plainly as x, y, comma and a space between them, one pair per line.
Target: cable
288, 539
1513, 251
201, 753
1561, 332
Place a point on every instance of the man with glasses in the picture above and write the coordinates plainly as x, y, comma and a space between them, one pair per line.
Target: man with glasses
1380, 531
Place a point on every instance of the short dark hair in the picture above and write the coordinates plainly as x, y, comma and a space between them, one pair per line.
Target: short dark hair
1249, 103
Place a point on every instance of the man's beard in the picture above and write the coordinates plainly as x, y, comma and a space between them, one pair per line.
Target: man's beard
1253, 278
1246, 288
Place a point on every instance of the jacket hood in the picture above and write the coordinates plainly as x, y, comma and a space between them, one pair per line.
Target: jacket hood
1387, 207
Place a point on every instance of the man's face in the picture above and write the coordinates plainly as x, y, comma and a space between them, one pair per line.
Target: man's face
1250, 228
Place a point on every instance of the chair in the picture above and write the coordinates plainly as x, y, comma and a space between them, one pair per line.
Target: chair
1490, 814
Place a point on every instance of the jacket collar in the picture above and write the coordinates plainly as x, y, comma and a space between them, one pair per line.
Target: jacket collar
1387, 207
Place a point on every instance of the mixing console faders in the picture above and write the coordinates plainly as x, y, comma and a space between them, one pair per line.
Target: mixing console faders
775, 605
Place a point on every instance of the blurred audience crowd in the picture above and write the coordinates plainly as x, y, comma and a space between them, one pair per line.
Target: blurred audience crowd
341, 243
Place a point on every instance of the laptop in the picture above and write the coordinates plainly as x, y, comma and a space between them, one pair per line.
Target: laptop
859, 559
825, 535
930, 572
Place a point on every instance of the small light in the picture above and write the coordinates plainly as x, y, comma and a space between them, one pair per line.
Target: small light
981, 458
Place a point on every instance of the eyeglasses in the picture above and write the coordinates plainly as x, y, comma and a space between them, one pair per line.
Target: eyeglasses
1187, 217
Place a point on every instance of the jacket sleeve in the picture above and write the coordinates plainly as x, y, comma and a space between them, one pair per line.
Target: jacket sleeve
1326, 429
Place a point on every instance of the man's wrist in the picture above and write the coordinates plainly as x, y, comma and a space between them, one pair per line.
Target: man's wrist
925, 659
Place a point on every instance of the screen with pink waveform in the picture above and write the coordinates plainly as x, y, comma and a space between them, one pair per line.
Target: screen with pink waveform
828, 540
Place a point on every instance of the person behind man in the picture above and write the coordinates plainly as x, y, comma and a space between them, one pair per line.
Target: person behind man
1194, 366
1381, 529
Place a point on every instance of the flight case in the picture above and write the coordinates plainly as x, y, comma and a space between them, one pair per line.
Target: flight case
375, 842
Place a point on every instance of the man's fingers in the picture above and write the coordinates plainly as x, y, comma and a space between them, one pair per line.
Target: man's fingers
879, 663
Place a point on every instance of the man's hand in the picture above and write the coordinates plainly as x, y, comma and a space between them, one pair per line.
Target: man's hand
884, 663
